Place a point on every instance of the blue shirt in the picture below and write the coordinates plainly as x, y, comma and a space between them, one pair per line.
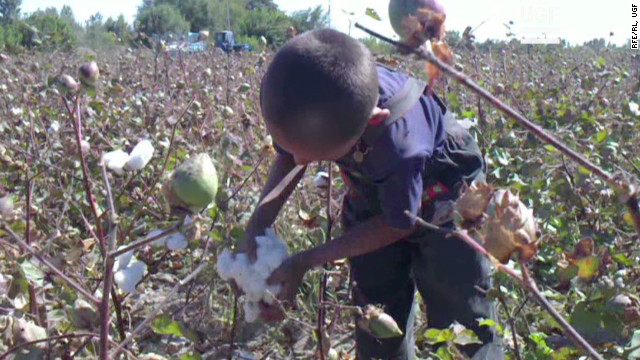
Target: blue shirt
389, 180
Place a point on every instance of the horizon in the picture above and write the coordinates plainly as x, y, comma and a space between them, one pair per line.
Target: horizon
532, 19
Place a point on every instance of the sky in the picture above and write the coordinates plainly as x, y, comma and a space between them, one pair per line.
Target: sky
574, 20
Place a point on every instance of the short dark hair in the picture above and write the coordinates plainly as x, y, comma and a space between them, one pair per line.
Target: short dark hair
320, 88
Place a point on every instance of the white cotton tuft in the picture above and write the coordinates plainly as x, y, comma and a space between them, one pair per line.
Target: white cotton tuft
127, 278
251, 311
140, 156
321, 181
634, 108
252, 278
123, 260
115, 160
54, 127
177, 241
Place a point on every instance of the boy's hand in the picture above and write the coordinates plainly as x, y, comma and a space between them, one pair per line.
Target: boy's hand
289, 274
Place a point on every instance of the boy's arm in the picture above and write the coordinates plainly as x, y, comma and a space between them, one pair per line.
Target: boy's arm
263, 216
365, 237
368, 236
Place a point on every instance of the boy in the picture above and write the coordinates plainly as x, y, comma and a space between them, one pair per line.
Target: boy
324, 98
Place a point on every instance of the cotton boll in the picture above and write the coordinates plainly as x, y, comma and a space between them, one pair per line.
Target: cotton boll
140, 156
127, 278
54, 127
634, 108
177, 241
251, 278
224, 265
115, 160
123, 260
251, 311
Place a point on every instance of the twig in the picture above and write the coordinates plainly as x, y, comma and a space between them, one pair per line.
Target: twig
47, 263
234, 325
573, 334
172, 230
323, 280
157, 311
619, 185
526, 282
76, 120
108, 271
53, 338
512, 324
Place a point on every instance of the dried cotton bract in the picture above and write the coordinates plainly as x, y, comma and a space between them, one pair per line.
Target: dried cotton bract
506, 225
251, 278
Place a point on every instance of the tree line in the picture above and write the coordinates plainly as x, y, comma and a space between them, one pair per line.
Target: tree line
49, 29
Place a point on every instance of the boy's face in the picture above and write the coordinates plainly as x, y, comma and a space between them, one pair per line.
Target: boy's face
304, 154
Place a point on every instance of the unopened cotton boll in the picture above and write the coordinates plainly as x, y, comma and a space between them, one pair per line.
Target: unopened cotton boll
115, 160
140, 155
127, 278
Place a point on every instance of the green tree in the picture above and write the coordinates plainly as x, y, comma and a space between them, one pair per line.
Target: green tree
9, 9
120, 28
160, 19
270, 24
310, 19
47, 30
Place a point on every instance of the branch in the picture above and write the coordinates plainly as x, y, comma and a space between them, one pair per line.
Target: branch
323, 278
75, 119
526, 282
157, 311
619, 185
108, 272
170, 231
48, 264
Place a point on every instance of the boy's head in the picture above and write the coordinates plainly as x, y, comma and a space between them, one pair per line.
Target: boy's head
318, 94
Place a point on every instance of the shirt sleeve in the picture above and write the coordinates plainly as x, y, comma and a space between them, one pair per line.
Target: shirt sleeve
401, 190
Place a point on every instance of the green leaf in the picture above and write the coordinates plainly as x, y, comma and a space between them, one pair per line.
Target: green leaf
32, 272
163, 325
466, 337
486, 322
623, 259
437, 336
583, 170
588, 267
237, 233
195, 356
601, 136
550, 148
372, 14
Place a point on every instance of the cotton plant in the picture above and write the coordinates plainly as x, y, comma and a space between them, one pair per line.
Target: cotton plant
118, 160
252, 278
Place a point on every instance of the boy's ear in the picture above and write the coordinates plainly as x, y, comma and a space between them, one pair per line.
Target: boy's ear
378, 115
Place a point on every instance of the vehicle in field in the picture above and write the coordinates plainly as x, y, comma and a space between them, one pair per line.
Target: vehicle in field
225, 41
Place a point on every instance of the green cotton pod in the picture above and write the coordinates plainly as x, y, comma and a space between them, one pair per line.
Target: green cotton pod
195, 182
378, 323
383, 326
